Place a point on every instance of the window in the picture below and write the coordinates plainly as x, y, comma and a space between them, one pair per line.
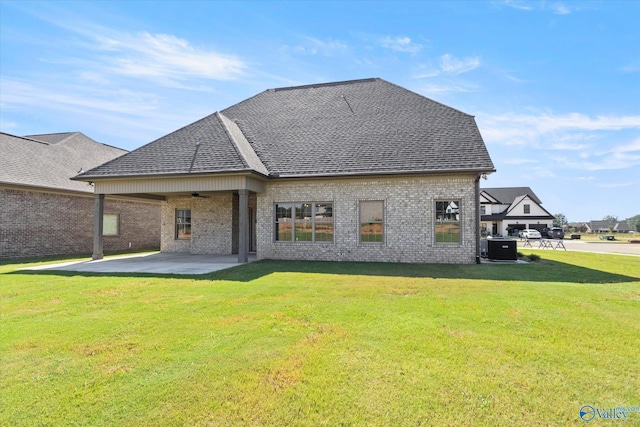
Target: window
323, 217
483, 210
110, 225
527, 209
448, 221
304, 222
284, 230
371, 221
183, 223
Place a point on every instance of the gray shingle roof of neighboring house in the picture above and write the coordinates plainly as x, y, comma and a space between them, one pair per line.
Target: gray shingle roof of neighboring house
366, 126
49, 161
52, 138
602, 225
507, 195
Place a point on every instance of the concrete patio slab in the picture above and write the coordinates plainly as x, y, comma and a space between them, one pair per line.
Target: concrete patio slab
156, 262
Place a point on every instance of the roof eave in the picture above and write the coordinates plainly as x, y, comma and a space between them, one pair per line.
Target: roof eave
95, 178
377, 173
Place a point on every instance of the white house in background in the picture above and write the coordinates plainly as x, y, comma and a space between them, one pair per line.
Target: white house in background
507, 211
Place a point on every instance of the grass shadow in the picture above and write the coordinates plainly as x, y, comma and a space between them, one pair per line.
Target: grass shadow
549, 271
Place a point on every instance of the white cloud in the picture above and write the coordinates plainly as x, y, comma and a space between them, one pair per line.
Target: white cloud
400, 44
520, 161
557, 7
103, 53
28, 94
576, 139
314, 46
448, 87
504, 126
560, 8
631, 68
615, 185
449, 64
123, 114
517, 80
166, 58
568, 146
517, 4
628, 148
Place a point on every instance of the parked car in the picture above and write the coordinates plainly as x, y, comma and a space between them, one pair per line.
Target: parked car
556, 233
530, 234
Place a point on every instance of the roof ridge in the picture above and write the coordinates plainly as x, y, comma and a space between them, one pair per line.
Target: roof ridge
315, 85
241, 144
26, 138
69, 136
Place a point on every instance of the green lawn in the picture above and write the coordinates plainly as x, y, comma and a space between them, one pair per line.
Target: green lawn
301, 343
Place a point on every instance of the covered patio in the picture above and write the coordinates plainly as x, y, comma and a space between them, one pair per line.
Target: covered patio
154, 262
223, 208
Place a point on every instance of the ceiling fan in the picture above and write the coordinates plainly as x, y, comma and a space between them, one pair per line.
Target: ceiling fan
196, 194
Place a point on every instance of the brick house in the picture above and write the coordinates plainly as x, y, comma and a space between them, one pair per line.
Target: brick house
361, 170
606, 226
43, 212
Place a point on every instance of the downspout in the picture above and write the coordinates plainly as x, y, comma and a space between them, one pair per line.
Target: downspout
478, 218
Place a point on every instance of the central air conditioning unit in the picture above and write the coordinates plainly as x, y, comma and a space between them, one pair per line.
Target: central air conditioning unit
499, 249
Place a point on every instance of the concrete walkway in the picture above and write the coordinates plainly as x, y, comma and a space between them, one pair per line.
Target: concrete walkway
155, 262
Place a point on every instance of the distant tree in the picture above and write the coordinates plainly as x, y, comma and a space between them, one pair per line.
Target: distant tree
610, 218
559, 220
634, 223
580, 228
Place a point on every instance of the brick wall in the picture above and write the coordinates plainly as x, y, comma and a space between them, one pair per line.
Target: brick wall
214, 224
35, 224
409, 219
210, 224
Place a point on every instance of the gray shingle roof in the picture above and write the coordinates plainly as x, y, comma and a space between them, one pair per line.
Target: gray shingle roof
507, 195
201, 147
51, 138
605, 225
355, 127
34, 162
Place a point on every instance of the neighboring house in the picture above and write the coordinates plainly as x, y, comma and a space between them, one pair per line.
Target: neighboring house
607, 227
43, 212
359, 170
507, 211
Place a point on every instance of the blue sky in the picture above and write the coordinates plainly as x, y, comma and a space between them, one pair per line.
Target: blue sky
554, 85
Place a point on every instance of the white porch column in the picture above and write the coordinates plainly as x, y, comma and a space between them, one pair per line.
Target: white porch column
98, 224
243, 226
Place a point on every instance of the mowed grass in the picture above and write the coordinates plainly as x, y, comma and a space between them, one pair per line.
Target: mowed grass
304, 343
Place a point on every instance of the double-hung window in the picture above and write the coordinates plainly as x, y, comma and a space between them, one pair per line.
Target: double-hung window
304, 222
183, 223
447, 221
372, 221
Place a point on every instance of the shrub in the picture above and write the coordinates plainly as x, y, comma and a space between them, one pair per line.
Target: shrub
534, 257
